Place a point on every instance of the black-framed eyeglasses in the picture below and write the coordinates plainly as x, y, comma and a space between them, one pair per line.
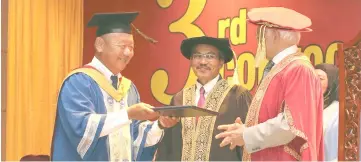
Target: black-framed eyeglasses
207, 56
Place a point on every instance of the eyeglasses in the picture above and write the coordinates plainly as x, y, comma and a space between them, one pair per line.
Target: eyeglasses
208, 57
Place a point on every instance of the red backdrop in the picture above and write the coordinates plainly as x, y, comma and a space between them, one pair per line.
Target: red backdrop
159, 70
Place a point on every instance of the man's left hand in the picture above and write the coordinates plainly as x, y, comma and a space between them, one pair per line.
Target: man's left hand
167, 122
233, 134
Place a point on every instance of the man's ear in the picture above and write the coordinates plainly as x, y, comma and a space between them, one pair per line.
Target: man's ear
99, 44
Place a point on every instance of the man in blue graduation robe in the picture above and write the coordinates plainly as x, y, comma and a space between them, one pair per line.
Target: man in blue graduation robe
99, 114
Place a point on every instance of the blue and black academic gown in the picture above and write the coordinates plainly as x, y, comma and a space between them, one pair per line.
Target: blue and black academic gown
79, 99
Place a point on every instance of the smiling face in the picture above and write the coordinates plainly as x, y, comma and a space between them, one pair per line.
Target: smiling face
115, 50
206, 61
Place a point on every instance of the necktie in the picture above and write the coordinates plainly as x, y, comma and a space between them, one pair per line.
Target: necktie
268, 68
114, 79
201, 100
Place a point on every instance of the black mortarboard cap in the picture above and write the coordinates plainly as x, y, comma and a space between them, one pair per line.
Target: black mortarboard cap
222, 44
115, 23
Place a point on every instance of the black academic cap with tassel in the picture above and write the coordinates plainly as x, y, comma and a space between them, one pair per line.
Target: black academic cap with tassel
116, 23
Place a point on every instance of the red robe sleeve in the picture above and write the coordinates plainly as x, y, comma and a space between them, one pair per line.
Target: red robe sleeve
303, 106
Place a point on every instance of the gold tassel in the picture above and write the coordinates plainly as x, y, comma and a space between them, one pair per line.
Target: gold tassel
144, 36
261, 47
235, 78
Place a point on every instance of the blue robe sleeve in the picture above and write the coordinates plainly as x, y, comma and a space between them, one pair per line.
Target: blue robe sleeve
140, 132
79, 115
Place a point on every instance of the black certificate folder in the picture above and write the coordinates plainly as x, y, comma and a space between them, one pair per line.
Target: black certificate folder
184, 111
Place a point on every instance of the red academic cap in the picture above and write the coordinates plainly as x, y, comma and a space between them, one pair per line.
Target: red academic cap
281, 18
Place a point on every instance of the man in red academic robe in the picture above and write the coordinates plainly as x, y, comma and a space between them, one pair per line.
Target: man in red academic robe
284, 121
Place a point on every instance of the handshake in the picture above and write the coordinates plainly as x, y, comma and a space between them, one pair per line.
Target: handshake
143, 111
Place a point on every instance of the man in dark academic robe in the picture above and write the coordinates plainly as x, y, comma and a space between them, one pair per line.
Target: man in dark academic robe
284, 122
99, 115
192, 139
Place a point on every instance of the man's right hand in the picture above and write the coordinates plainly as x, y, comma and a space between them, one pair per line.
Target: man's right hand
142, 111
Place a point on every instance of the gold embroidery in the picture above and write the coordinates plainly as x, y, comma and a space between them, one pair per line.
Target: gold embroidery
253, 111
296, 154
99, 78
187, 136
292, 152
290, 123
197, 138
89, 134
119, 140
303, 147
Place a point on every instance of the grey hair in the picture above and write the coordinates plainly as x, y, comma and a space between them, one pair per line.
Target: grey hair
290, 36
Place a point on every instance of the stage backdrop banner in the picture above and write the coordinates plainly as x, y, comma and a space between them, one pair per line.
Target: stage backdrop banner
159, 70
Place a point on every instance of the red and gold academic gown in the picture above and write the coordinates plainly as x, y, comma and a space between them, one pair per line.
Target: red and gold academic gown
293, 88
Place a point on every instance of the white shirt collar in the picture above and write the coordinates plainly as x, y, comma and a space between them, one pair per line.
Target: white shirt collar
102, 68
208, 86
283, 54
